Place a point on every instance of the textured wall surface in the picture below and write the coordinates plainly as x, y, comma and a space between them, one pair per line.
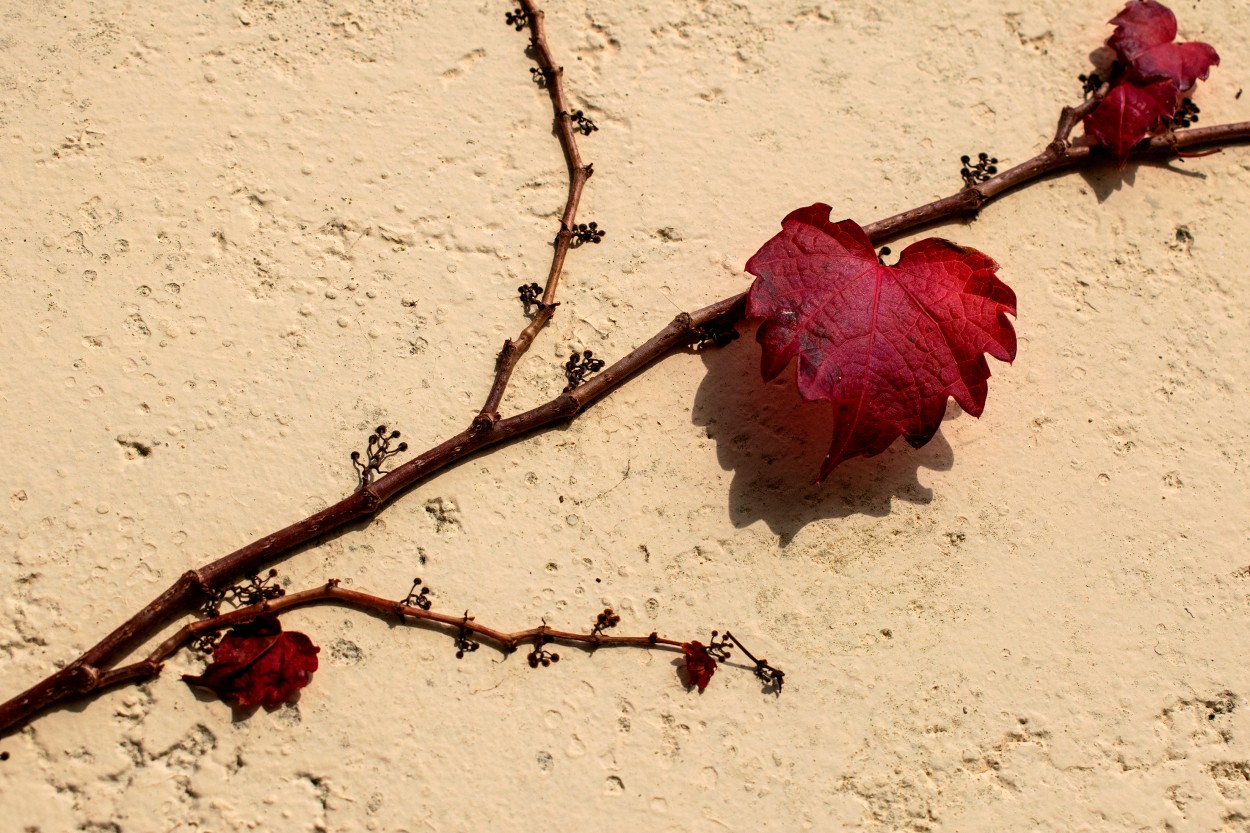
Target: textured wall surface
236, 235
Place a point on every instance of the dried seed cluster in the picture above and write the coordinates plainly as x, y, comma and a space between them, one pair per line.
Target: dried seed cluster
1090, 83
540, 655
588, 232
582, 123
607, 619
1187, 114
579, 366
531, 295
517, 18
418, 597
253, 590
717, 333
979, 172
541, 76
376, 454
464, 643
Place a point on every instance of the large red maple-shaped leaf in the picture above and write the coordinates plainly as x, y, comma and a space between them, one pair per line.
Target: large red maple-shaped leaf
1129, 114
259, 664
1143, 37
886, 345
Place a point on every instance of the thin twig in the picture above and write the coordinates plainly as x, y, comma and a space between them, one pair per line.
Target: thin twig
579, 172
460, 626
1070, 117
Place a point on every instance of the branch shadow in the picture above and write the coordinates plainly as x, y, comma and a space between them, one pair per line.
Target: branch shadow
1106, 180
773, 442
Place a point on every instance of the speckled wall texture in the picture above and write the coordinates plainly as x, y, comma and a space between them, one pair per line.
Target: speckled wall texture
234, 236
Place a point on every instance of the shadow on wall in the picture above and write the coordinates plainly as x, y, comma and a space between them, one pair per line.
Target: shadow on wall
774, 442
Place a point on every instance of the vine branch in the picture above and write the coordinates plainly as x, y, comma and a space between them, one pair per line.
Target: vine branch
458, 626
1060, 156
568, 124
90, 672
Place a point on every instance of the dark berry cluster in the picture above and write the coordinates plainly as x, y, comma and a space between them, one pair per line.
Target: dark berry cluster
376, 454
464, 643
975, 174
607, 619
418, 598
541, 76
579, 366
1187, 114
1090, 83
531, 296
517, 18
720, 647
254, 590
205, 643
540, 655
582, 123
718, 333
588, 233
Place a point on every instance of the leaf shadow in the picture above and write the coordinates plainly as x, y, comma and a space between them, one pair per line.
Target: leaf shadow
773, 442
1105, 180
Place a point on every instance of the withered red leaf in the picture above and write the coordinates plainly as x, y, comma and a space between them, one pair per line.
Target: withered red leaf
1130, 113
885, 345
1143, 39
259, 664
700, 665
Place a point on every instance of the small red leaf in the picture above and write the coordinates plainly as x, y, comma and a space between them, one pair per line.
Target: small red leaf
885, 345
258, 663
1143, 37
1129, 114
700, 665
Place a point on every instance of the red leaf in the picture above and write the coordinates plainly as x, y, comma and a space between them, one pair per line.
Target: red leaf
700, 665
885, 345
1129, 114
1143, 37
258, 663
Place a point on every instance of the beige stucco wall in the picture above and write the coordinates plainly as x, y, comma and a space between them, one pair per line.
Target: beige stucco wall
235, 235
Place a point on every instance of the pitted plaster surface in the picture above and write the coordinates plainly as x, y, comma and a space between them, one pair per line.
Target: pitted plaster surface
237, 235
